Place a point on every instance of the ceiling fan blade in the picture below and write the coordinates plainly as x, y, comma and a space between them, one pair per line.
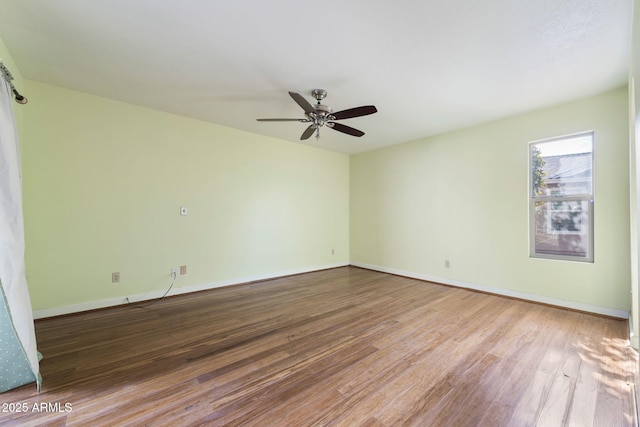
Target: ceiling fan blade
308, 132
345, 129
308, 108
354, 112
284, 120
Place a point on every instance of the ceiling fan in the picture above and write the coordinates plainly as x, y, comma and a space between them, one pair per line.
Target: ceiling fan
320, 115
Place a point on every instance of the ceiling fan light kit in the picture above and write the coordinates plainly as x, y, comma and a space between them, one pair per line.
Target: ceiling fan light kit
320, 115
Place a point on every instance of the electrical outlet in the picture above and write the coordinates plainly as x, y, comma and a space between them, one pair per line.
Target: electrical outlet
183, 270
115, 277
447, 264
174, 272
333, 251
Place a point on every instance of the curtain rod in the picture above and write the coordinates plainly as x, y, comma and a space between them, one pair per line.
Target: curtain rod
8, 77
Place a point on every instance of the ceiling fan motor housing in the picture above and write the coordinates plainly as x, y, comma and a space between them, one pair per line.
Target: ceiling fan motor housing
322, 110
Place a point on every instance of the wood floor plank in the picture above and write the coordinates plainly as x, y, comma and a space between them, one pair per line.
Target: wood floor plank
339, 347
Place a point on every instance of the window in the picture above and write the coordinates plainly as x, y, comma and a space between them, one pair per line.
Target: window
561, 200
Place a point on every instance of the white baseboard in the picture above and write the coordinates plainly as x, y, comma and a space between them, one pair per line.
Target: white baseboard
633, 339
115, 301
606, 311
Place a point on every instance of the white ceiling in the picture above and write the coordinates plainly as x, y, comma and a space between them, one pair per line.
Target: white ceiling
429, 66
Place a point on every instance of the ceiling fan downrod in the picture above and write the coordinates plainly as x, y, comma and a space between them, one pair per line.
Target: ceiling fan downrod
321, 113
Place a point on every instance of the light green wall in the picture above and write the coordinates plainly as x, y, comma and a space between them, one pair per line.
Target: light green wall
104, 180
463, 196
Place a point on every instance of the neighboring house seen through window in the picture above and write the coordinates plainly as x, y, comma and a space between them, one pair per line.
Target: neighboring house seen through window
561, 200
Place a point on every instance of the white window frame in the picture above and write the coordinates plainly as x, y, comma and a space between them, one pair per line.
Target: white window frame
587, 216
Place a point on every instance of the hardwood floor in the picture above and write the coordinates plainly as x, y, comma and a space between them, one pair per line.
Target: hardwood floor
343, 347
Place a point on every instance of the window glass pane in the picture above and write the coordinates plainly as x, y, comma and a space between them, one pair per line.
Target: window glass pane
562, 167
562, 228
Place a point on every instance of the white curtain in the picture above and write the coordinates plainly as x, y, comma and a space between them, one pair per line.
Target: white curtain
17, 334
